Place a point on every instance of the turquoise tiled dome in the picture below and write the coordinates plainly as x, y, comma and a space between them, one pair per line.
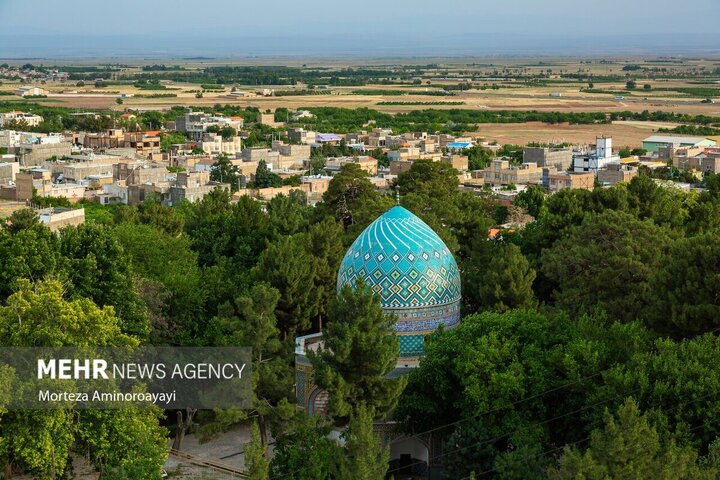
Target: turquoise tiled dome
408, 266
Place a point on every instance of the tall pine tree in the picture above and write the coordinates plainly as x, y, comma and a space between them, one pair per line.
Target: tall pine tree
359, 350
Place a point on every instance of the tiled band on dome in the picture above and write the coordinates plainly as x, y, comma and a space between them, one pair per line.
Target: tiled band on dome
427, 326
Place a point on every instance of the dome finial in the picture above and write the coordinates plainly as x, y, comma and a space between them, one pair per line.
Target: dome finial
397, 194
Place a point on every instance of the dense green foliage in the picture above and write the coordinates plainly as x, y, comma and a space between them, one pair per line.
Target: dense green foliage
630, 447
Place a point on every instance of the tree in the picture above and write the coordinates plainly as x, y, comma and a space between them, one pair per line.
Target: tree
172, 286
324, 242
359, 350
265, 178
630, 250
305, 452
478, 157
286, 265
226, 132
98, 269
366, 458
647, 86
250, 321
119, 101
630, 85
352, 199
152, 212
703, 216
497, 277
225, 172
429, 178
124, 443
666, 206
256, 463
29, 250
167, 140
22, 219
430, 190
531, 199
685, 288
630, 447
289, 214
674, 379
317, 164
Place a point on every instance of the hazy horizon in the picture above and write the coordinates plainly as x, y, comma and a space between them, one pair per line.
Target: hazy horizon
231, 29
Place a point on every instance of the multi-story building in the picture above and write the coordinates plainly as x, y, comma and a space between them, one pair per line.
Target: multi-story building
458, 162
367, 163
378, 137
57, 218
113, 138
136, 173
75, 172
556, 180
705, 160
301, 135
400, 166
267, 118
35, 150
291, 155
144, 143
596, 159
215, 144
500, 172
709, 162
192, 186
29, 119
257, 154
189, 162
560, 158
8, 171
616, 173
39, 182
197, 123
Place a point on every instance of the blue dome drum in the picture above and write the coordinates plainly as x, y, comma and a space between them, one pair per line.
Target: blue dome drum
408, 266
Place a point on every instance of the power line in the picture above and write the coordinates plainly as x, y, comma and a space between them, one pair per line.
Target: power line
509, 405
493, 440
547, 452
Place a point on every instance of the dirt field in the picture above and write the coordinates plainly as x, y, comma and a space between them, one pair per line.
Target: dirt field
8, 207
624, 133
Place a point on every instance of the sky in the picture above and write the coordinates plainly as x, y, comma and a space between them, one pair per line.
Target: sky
372, 27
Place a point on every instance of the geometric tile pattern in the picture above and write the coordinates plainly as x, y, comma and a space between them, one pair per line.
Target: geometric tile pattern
403, 261
300, 387
426, 326
411, 345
